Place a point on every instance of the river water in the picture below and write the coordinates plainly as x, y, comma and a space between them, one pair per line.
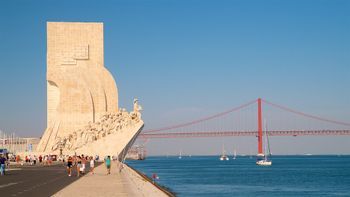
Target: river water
288, 176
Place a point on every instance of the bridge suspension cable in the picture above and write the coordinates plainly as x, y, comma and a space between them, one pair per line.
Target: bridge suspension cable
305, 114
200, 120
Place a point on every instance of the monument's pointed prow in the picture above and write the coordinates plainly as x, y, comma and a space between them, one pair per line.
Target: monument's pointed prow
82, 98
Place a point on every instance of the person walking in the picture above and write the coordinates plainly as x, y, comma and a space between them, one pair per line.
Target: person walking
18, 159
35, 159
83, 162
45, 160
69, 165
2, 165
92, 165
78, 160
30, 160
40, 159
49, 159
108, 164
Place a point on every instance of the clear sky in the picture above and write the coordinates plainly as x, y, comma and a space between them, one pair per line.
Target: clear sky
186, 59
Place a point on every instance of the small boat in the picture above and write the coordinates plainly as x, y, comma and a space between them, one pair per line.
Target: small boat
264, 162
234, 154
223, 156
262, 159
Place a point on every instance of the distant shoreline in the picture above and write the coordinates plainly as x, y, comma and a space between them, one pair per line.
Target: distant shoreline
306, 154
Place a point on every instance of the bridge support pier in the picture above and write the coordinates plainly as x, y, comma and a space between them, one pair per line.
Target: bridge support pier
260, 133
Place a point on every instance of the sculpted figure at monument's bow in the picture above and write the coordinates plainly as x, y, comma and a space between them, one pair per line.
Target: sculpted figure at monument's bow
80, 90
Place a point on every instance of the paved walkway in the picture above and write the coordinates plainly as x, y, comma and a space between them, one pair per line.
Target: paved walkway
125, 183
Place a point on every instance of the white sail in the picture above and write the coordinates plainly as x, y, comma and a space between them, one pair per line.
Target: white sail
265, 161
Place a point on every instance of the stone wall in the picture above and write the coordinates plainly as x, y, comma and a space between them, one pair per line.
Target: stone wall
79, 88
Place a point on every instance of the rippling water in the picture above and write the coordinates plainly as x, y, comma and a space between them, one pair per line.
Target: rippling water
288, 176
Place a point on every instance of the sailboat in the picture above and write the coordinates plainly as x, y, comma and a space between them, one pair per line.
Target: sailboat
223, 156
180, 157
234, 154
265, 161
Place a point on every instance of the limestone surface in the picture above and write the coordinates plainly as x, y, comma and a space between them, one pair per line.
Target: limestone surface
82, 96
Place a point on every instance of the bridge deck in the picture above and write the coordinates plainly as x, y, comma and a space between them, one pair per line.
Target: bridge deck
243, 133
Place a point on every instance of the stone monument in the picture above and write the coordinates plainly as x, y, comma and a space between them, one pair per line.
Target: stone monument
82, 97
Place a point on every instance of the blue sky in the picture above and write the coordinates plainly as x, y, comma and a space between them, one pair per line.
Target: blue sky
187, 59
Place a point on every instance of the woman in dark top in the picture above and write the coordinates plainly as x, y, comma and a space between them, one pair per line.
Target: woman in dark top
69, 165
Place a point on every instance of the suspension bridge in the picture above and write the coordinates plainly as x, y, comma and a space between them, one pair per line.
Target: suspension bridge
251, 119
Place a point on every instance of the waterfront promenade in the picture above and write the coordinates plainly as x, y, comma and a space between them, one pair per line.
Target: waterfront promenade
124, 183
